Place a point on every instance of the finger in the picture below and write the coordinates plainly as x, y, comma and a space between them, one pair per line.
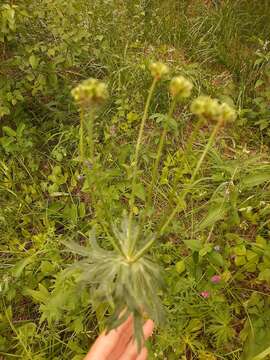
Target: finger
148, 329
122, 343
105, 344
143, 354
131, 350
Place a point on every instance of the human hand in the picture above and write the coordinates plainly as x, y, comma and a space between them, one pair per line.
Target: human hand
119, 344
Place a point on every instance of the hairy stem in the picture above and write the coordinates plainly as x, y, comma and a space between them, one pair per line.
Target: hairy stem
187, 152
193, 177
194, 135
81, 131
90, 128
135, 162
143, 251
158, 157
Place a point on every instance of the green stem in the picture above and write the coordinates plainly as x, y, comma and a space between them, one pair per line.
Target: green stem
194, 174
117, 247
143, 251
206, 149
90, 129
135, 163
194, 135
81, 143
159, 152
187, 152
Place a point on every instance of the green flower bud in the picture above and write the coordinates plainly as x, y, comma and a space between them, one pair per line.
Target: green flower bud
89, 92
228, 114
180, 87
206, 107
158, 70
211, 109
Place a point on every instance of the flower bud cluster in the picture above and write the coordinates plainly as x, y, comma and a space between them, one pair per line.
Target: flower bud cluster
211, 109
180, 87
89, 92
158, 70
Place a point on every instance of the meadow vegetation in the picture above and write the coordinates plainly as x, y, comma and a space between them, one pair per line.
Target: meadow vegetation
135, 176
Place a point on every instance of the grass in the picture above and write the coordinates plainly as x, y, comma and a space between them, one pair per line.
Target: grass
223, 228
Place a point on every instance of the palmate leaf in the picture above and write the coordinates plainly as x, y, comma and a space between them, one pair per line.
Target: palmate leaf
130, 284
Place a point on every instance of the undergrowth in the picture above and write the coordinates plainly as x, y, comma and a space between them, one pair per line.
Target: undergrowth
65, 184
